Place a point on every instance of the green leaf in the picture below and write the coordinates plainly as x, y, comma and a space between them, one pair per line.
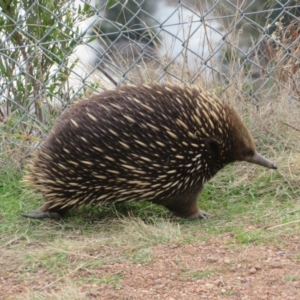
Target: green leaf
111, 4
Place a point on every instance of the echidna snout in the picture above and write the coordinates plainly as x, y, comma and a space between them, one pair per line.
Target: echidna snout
262, 161
155, 142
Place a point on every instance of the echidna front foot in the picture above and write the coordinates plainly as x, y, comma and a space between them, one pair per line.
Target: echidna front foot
187, 207
199, 215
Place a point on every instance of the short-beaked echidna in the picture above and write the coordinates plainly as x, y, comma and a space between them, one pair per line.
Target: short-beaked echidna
155, 142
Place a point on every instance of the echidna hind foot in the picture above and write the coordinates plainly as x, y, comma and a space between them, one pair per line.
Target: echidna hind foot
45, 213
42, 215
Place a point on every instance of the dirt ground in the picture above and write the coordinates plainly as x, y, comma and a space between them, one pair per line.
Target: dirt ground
218, 269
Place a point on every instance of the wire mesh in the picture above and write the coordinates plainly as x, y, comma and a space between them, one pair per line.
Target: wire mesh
55, 52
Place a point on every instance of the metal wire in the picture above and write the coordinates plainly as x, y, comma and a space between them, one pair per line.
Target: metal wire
52, 55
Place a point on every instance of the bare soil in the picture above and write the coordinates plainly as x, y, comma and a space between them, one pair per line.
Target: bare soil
215, 269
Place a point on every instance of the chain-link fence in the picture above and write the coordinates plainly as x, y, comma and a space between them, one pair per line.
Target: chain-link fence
55, 52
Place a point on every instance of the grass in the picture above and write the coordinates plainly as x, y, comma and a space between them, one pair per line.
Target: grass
291, 278
197, 274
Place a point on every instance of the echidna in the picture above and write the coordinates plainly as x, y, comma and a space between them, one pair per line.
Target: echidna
155, 142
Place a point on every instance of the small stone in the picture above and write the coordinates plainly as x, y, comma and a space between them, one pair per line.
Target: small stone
209, 285
257, 267
280, 252
227, 260
200, 290
219, 283
276, 265
211, 260
252, 270
223, 291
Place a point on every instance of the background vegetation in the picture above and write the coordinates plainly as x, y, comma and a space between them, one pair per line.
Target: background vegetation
253, 205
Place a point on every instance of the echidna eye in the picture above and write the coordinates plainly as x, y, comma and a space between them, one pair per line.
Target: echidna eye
248, 153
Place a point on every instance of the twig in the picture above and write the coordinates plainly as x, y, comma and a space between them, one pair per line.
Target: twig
107, 75
281, 225
290, 126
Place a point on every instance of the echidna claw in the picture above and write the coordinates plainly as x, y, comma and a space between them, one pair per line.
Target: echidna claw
42, 215
203, 215
199, 215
